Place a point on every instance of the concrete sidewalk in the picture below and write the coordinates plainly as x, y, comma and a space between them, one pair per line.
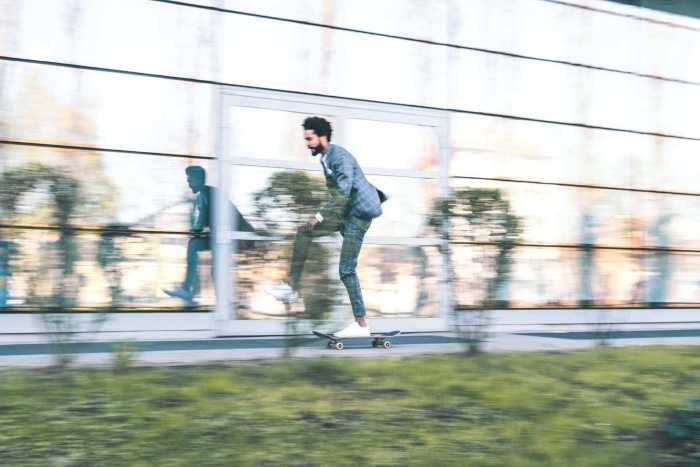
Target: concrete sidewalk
207, 351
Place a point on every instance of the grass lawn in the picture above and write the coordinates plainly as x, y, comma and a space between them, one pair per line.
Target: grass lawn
587, 408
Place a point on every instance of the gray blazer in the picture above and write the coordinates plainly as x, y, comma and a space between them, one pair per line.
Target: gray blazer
351, 193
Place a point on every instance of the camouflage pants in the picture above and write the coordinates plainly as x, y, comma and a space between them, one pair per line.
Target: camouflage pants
353, 230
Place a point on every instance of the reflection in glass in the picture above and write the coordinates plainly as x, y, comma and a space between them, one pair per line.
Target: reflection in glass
392, 145
111, 268
320, 288
400, 281
397, 281
673, 221
204, 231
564, 215
134, 190
278, 202
113, 195
279, 138
673, 279
6, 251
271, 199
551, 277
374, 143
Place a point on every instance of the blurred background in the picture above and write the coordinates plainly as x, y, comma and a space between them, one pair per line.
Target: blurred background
537, 154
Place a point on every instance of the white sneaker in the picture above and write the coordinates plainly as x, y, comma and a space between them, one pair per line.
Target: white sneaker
283, 292
353, 330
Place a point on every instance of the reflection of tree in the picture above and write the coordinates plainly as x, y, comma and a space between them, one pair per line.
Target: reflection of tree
110, 257
660, 265
586, 260
482, 218
288, 198
291, 198
63, 191
39, 191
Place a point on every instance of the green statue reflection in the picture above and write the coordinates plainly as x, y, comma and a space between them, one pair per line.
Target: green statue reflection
203, 227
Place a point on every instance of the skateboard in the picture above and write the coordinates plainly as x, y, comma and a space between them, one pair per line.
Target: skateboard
379, 339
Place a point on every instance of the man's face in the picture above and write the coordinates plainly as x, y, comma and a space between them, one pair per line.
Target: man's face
314, 142
195, 183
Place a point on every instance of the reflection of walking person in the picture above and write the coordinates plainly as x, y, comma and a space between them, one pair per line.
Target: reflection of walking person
354, 203
203, 227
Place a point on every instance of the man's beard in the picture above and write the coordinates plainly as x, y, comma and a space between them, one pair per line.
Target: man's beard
315, 151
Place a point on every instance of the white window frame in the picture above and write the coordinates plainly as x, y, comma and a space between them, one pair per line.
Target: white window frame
232, 96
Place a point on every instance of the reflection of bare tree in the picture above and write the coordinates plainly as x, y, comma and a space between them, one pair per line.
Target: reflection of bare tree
422, 275
660, 267
110, 257
483, 219
586, 260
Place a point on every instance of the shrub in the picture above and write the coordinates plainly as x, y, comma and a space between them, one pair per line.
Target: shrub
677, 439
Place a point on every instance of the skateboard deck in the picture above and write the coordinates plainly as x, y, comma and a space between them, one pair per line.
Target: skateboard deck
379, 339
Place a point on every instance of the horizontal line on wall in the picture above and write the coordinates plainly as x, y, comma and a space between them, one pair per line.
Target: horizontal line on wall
99, 149
302, 93
576, 185
380, 240
581, 246
436, 43
290, 164
37, 309
40, 309
94, 229
639, 306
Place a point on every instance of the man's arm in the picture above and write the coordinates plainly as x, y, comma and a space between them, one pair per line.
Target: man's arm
343, 171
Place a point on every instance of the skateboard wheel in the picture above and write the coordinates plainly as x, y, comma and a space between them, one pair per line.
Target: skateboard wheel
329, 345
387, 344
375, 343
339, 346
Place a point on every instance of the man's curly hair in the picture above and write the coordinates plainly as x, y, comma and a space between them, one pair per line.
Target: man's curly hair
321, 126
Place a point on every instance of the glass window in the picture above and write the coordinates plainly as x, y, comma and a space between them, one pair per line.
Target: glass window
674, 166
397, 281
392, 145
673, 221
400, 281
119, 270
673, 279
553, 215
553, 277
279, 200
269, 134
532, 277
500, 148
110, 110
96, 189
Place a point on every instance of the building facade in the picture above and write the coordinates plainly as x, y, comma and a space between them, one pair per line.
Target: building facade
566, 126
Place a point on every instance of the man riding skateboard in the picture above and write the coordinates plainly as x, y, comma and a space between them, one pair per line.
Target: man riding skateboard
354, 203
